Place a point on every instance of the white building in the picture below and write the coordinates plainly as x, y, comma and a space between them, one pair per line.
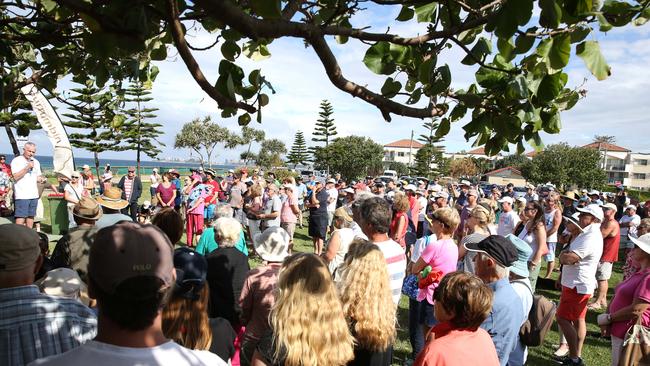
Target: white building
478, 153
623, 166
401, 151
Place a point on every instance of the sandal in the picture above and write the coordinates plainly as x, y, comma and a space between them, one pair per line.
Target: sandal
594, 306
561, 353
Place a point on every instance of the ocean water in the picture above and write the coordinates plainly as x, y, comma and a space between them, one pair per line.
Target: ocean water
119, 166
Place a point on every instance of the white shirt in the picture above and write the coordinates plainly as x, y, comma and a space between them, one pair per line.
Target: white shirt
332, 196
634, 221
103, 354
346, 236
396, 262
423, 208
154, 180
507, 222
26, 188
589, 247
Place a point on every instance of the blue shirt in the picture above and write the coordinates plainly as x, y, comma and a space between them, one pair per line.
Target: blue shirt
505, 319
34, 325
301, 193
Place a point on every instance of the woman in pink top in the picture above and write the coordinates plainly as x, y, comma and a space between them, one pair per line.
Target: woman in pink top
631, 299
441, 255
166, 192
463, 302
289, 212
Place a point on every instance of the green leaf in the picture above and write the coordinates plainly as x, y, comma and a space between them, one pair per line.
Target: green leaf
425, 70
160, 52
560, 51
550, 87
482, 48
244, 119
443, 128
400, 54
49, 5
517, 88
256, 52
405, 14
567, 100
458, 112
589, 52
618, 13
551, 121
579, 34
604, 24
468, 36
415, 96
230, 50
544, 47
489, 78
441, 81
551, 13
377, 59
523, 43
391, 88
426, 12
506, 49
264, 100
254, 77
231, 35
268, 9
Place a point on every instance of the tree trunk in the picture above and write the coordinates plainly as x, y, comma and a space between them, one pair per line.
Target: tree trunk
12, 140
96, 156
138, 157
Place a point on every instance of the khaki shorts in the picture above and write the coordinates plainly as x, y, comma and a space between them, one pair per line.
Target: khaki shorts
604, 271
289, 227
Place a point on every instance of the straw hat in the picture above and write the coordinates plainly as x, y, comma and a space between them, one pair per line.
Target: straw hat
87, 208
342, 213
112, 198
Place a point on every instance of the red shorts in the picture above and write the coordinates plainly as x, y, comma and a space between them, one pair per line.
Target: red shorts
573, 306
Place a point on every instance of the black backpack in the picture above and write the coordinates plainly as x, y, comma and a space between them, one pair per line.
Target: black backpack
540, 319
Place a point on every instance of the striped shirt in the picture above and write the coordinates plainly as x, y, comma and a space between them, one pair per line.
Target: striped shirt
396, 261
128, 188
34, 325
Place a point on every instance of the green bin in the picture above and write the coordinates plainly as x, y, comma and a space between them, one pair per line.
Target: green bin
58, 214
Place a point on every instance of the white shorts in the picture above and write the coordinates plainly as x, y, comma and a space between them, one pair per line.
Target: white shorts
604, 271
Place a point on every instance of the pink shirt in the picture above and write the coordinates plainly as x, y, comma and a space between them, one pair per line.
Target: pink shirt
443, 256
635, 287
286, 215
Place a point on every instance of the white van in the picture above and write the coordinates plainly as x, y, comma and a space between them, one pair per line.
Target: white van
390, 173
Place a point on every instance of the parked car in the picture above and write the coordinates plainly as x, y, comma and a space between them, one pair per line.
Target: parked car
519, 191
390, 173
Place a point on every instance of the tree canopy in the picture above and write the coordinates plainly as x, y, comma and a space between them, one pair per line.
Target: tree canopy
520, 87
202, 136
352, 156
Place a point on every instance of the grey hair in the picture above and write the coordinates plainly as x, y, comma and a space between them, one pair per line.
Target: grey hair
227, 231
29, 143
224, 211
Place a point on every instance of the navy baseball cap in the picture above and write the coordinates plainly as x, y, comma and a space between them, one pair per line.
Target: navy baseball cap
191, 271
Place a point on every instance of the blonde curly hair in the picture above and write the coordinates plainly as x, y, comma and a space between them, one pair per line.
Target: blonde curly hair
366, 296
307, 319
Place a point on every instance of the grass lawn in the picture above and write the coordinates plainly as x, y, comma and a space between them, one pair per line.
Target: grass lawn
596, 350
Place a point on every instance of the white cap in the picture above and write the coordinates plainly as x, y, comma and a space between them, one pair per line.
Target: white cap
584, 191
465, 183
349, 190
85, 166
331, 180
231, 170
594, 210
643, 242
594, 192
154, 170
521, 199
410, 187
444, 195
506, 199
146, 204
610, 206
630, 207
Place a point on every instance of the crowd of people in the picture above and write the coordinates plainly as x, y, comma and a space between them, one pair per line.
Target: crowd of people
120, 287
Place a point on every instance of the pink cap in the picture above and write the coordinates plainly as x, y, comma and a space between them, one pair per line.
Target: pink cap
128, 250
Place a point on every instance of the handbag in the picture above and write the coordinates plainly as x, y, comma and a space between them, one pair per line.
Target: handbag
636, 346
410, 286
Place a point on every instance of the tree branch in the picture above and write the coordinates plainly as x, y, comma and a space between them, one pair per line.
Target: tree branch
194, 68
478, 61
385, 105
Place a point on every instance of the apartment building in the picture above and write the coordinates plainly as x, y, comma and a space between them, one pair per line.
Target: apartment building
401, 151
624, 166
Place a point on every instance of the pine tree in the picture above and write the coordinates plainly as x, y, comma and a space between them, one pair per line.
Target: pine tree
430, 153
140, 135
299, 153
93, 110
324, 130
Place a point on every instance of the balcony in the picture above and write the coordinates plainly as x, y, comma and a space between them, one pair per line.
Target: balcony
615, 168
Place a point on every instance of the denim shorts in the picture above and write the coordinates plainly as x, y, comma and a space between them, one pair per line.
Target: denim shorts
550, 256
26, 208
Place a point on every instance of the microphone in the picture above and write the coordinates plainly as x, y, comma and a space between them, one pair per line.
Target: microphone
30, 169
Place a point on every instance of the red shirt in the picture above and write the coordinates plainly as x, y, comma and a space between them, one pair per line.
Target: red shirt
216, 188
610, 247
415, 210
394, 228
458, 347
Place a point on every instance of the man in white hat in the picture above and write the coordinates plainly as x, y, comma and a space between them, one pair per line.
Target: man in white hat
629, 222
258, 292
530, 195
88, 179
332, 197
112, 204
594, 196
508, 218
580, 263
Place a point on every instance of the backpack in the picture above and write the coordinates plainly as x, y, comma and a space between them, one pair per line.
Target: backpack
540, 319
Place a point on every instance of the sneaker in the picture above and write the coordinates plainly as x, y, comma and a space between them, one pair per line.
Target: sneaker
570, 362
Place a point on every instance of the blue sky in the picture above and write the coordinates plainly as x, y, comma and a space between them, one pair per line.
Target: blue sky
617, 106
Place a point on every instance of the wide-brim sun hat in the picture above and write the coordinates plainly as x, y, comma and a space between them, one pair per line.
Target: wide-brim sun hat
643, 242
594, 210
574, 219
87, 208
272, 244
520, 266
112, 198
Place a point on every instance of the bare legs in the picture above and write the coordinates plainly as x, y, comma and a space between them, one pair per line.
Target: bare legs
575, 333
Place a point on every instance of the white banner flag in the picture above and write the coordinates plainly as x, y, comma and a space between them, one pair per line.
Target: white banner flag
62, 157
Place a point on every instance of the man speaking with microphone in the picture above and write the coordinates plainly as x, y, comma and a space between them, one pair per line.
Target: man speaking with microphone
27, 173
